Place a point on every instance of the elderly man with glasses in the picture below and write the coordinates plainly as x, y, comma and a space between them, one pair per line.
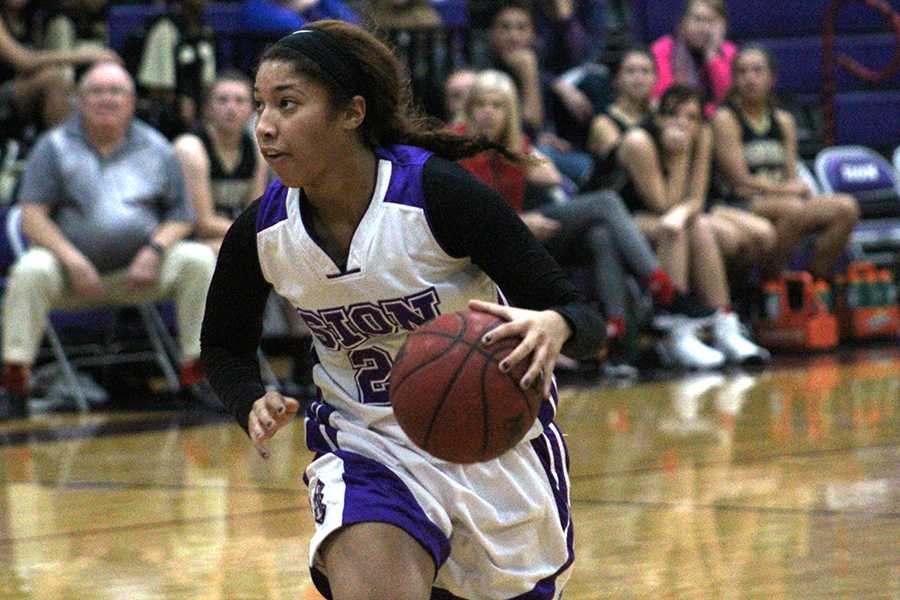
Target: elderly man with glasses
105, 208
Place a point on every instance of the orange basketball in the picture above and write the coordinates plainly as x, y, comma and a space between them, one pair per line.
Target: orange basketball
450, 396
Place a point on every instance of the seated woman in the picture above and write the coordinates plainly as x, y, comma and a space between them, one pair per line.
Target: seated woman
667, 162
697, 54
595, 225
634, 81
222, 166
756, 151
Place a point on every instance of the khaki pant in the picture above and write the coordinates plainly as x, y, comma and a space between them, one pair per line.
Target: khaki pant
37, 284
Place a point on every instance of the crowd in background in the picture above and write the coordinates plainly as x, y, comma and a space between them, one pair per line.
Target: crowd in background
658, 176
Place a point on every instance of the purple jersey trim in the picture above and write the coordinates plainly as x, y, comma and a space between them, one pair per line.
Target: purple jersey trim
272, 207
405, 186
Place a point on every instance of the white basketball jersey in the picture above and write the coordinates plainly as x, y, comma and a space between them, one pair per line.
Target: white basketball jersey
396, 278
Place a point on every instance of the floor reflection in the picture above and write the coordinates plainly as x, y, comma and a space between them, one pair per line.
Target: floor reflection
780, 484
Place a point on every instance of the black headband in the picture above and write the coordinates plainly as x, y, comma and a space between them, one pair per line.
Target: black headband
323, 49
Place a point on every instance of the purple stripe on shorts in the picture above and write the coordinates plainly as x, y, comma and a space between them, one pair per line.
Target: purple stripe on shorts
546, 587
374, 493
320, 441
547, 411
547, 445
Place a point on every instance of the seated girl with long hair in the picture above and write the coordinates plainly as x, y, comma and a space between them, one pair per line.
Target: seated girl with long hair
756, 151
667, 162
222, 166
634, 79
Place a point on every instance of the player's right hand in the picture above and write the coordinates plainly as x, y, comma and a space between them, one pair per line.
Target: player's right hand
269, 414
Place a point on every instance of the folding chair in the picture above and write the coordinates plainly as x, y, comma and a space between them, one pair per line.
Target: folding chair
870, 178
864, 174
69, 358
805, 175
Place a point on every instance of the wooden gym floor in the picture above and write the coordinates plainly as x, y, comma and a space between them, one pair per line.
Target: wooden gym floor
779, 484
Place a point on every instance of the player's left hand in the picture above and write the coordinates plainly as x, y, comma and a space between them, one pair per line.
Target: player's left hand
543, 334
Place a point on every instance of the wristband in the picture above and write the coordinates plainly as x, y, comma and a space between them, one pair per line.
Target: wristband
157, 247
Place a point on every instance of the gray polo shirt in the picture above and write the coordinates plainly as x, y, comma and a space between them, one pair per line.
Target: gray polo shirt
106, 206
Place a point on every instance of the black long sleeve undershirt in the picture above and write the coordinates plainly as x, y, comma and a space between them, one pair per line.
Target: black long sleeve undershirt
467, 219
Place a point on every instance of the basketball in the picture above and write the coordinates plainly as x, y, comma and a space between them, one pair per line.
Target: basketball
450, 396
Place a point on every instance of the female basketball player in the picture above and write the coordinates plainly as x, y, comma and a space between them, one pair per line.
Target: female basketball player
222, 166
369, 234
667, 162
756, 148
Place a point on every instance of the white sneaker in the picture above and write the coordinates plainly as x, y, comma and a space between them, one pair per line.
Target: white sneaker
728, 337
682, 349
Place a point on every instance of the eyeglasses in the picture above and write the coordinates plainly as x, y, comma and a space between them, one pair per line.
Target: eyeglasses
111, 90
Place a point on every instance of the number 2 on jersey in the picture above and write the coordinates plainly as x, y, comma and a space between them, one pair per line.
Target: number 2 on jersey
373, 371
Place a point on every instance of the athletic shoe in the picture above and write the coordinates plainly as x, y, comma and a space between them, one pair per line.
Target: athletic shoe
619, 371
680, 305
730, 339
682, 349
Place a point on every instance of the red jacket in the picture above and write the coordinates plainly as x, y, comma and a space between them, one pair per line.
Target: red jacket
501, 174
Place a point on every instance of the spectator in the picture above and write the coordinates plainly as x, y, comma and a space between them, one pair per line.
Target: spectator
177, 64
456, 91
34, 91
596, 225
667, 162
105, 207
697, 55
277, 17
512, 49
405, 14
493, 111
511, 40
222, 165
571, 32
634, 81
756, 150
74, 24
